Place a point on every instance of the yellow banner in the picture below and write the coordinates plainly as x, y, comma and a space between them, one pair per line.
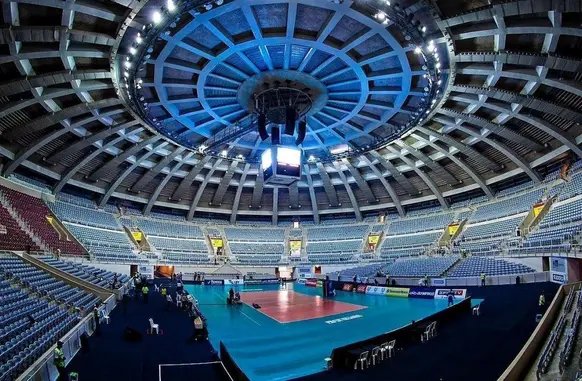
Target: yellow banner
537, 209
295, 245
216, 242
453, 229
373, 239
137, 236
399, 292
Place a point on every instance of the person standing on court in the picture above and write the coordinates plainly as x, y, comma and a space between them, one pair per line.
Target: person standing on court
59, 361
145, 291
451, 297
483, 279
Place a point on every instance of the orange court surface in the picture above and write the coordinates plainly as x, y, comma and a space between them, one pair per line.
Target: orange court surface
287, 306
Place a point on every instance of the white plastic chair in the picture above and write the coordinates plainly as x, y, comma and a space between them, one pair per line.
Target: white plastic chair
391, 347
375, 353
433, 329
154, 327
426, 334
363, 359
476, 309
156, 288
107, 318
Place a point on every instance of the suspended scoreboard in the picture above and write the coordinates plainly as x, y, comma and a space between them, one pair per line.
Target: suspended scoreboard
281, 165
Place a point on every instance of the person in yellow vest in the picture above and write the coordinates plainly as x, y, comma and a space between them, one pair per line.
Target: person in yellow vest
542, 302
483, 279
59, 361
145, 291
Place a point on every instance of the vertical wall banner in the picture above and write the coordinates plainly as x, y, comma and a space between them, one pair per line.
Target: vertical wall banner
538, 208
147, 271
453, 229
558, 270
216, 242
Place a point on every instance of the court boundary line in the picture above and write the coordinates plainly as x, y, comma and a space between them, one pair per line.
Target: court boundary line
247, 316
193, 364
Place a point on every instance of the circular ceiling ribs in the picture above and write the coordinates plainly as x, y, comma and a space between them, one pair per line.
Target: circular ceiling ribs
509, 101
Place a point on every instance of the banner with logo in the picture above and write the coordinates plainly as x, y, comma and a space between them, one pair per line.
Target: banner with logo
213, 282
373, 239
399, 292
147, 271
443, 293
300, 280
348, 287
421, 293
537, 209
233, 281
216, 242
361, 288
311, 283
558, 270
137, 236
295, 247
453, 229
268, 281
319, 283
376, 290
438, 282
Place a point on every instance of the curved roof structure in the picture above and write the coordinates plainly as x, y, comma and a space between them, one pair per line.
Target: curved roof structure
415, 102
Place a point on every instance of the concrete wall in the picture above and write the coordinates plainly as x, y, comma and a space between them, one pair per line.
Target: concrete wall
533, 262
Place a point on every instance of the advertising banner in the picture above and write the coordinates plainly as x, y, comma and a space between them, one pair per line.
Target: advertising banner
233, 281
361, 288
558, 278
147, 271
443, 293
399, 292
376, 290
453, 229
319, 283
268, 281
216, 242
295, 247
311, 283
348, 287
421, 293
301, 280
438, 282
558, 270
213, 282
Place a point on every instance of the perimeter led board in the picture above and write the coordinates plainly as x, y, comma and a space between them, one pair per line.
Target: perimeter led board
281, 165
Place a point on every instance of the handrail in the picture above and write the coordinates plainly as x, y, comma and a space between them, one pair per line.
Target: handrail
527, 354
43, 368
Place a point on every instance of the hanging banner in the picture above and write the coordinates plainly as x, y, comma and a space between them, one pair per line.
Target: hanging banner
137, 236
147, 271
216, 242
373, 239
453, 229
295, 248
537, 209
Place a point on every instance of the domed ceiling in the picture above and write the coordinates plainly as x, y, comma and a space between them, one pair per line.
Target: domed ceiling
411, 102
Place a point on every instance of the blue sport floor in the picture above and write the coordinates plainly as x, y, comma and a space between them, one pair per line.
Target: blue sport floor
268, 350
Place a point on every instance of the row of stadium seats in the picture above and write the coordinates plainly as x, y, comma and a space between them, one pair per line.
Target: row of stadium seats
98, 277
44, 284
163, 228
34, 213
84, 216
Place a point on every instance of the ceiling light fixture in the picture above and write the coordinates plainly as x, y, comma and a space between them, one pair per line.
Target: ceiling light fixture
156, 17
418, 50
138, 38
208, 6
171, 6
132, 50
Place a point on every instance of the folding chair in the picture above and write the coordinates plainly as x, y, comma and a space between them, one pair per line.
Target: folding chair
433, 332
156, 288
426, 334
363, 359
391, 348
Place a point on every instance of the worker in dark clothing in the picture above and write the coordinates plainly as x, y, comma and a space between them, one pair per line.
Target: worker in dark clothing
542, 303
96, 317
451, 297
125, 301
145, 291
